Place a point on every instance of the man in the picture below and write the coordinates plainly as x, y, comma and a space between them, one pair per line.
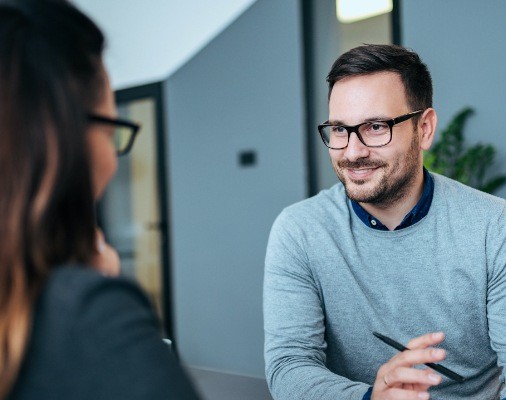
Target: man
392, 248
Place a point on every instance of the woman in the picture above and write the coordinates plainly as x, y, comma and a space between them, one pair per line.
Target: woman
66, 330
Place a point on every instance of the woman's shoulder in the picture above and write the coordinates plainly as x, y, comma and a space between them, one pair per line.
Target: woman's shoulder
79, 298
79, 279
97, 337
71, 287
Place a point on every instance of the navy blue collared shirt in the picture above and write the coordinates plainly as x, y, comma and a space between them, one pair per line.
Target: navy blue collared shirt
419, 211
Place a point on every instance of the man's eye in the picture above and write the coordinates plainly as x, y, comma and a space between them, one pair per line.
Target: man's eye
377, 127
338, 129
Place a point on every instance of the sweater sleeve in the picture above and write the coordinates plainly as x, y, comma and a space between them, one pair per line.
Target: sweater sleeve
496, 292
294, 324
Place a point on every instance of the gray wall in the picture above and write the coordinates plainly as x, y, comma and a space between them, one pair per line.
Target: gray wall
242, 92
464, 44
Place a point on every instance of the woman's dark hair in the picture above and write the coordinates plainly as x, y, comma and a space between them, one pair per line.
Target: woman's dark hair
51, 75
373, 58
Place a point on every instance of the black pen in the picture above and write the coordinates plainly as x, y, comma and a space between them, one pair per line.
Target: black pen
436, 367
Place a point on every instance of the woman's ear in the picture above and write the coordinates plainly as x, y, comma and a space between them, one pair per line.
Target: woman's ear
427, 123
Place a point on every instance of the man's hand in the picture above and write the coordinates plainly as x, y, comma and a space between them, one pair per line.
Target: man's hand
398, 380
106, 259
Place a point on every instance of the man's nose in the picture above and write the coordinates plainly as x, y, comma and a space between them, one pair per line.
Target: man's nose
355, 149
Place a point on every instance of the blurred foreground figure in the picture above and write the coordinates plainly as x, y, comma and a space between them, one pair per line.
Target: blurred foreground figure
67, 329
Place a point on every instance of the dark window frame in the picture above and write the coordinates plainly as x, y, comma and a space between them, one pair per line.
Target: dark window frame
156, 91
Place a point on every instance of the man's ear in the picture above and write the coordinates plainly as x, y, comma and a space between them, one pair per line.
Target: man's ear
427, 123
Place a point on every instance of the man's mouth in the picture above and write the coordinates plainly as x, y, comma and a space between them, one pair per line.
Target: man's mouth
361, 171
360, 164
360, 174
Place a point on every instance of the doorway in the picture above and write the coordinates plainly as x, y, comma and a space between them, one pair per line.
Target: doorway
134, 209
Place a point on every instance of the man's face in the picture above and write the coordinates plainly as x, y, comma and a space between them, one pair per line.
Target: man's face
384, 175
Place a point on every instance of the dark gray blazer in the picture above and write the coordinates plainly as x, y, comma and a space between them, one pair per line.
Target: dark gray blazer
97, 338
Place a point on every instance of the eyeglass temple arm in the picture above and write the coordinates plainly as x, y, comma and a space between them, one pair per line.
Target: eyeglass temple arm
403, 118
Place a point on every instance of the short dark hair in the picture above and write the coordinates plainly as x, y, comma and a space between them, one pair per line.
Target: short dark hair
373, 58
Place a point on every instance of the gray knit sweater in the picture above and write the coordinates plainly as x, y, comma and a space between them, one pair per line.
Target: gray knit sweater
330, 281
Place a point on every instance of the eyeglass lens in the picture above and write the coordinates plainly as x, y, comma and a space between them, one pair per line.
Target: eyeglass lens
122, 138
372, 134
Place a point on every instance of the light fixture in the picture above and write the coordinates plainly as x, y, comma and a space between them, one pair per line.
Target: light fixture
355, 10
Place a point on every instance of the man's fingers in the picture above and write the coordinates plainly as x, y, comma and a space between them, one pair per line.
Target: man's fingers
429, 339
402, 394
404, 375
408, 358
397, 379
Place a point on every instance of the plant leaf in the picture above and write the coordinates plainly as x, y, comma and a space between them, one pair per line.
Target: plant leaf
449, 156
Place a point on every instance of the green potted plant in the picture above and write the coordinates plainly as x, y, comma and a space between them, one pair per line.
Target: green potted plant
450, 156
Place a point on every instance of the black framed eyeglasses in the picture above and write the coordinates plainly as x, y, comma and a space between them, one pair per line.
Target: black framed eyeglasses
370, 133
124, 133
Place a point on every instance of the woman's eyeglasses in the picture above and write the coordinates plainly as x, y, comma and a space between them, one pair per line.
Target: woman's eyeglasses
124, 132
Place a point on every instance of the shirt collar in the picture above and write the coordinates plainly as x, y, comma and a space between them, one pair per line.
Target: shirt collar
419, 211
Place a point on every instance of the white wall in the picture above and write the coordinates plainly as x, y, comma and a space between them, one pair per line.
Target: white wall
463, 42
150, 39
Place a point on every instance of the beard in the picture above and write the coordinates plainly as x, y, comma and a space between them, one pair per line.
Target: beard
390, 189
